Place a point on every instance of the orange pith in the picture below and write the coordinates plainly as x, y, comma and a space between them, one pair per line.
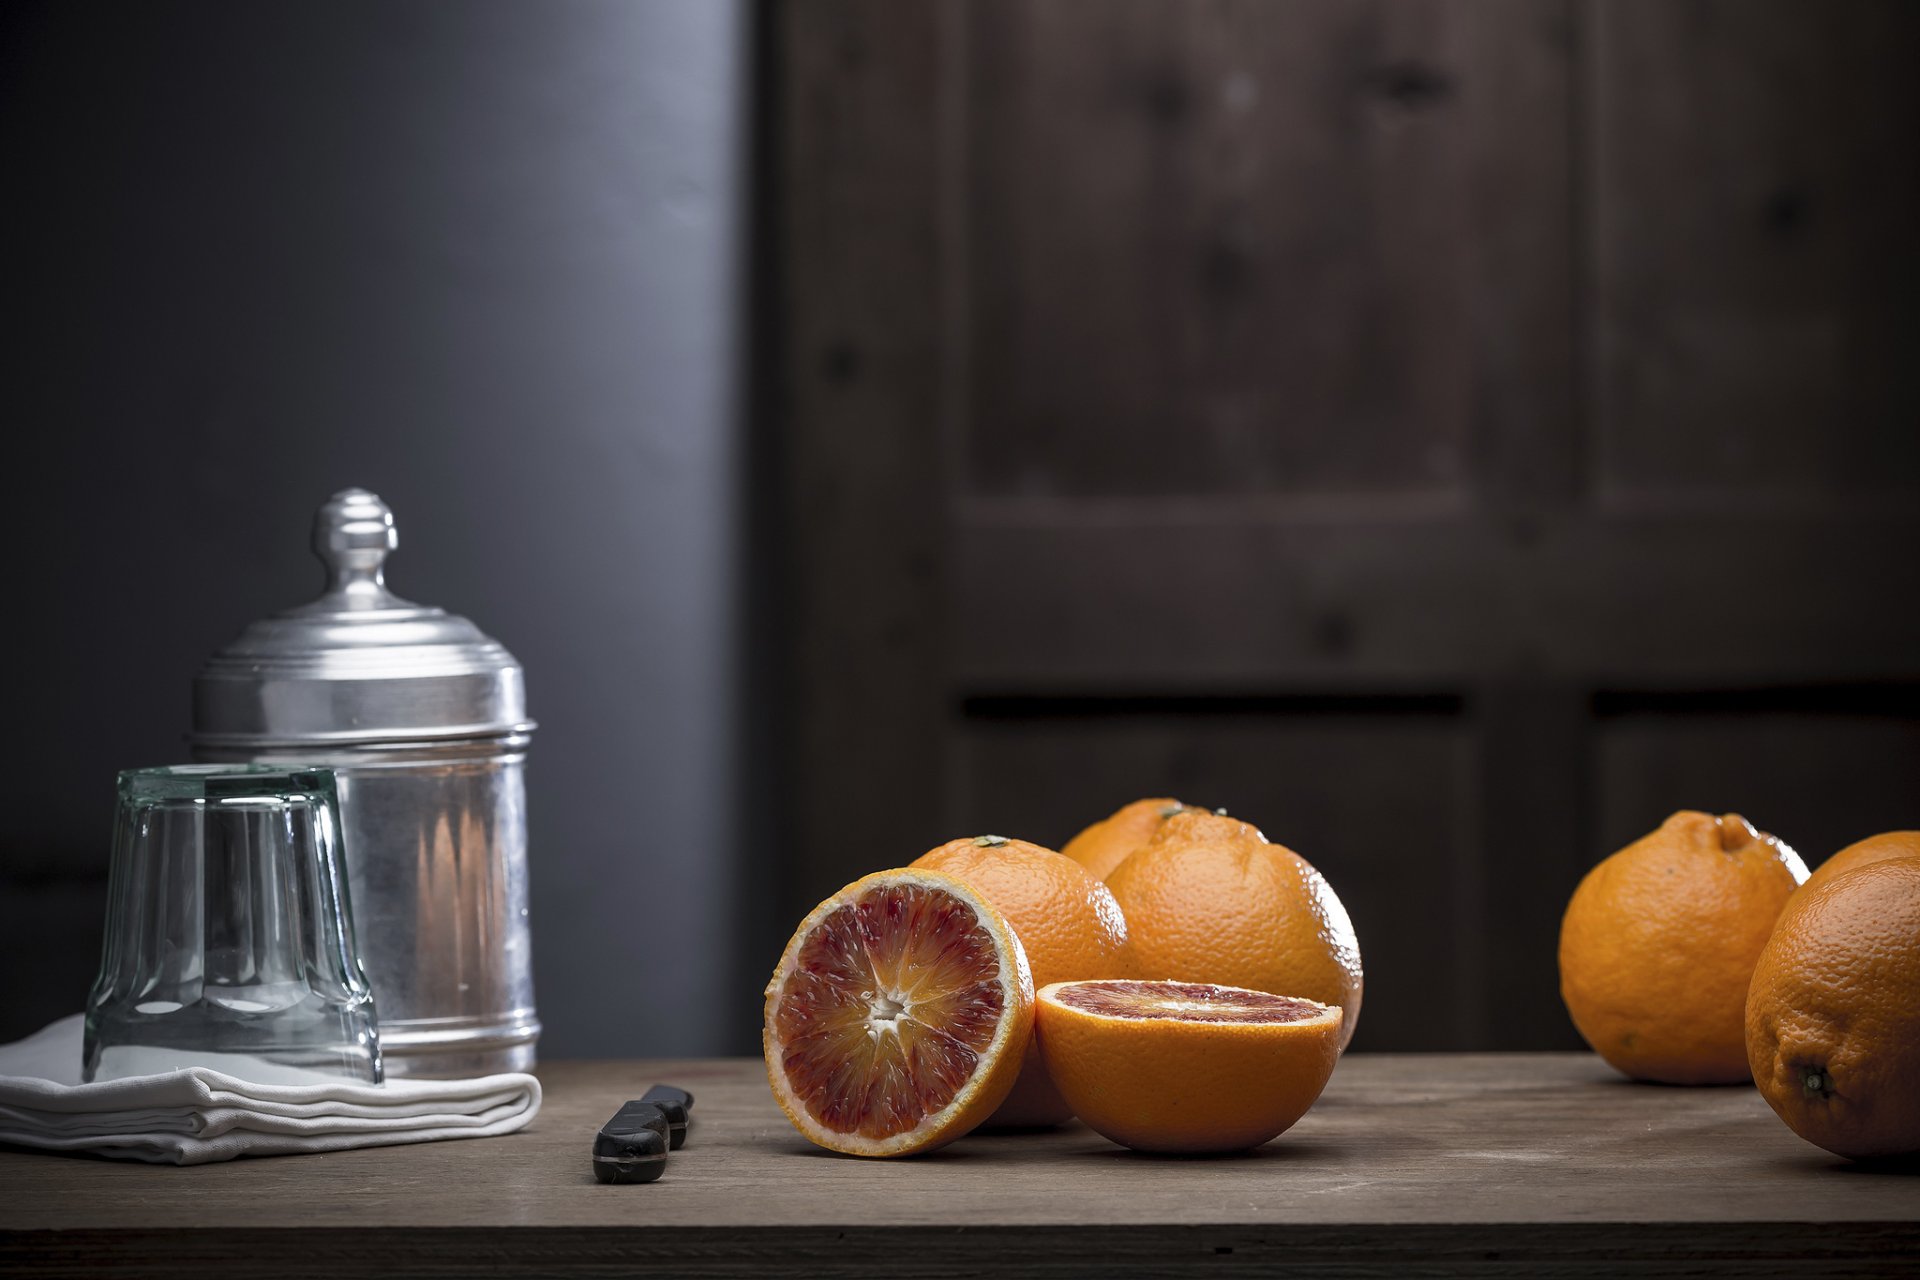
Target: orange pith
1106, 844
1186, 1068
1833, 1012
898, 1015
1210, 899
1659, 941
1068, 925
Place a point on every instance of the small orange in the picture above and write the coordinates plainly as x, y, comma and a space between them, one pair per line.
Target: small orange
1833, 1014
1186, 1068
1659, 942
898, 1015
1107, 843
1888, 844
1211, 900
1068, 924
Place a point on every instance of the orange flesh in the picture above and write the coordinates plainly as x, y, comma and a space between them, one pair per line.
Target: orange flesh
891, 1002
1187, 1001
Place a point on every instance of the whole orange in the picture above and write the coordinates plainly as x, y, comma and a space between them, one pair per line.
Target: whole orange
1066, 920
1186, 1068
1211, 900
1659, 942
1833, 1013
1888, 844
1107, 843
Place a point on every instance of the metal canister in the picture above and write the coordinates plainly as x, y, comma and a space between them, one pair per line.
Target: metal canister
423, 718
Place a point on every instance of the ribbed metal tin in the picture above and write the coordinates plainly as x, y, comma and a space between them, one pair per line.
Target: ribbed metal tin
423, 718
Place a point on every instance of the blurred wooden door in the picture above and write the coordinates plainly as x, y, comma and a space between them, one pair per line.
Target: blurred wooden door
1451, 434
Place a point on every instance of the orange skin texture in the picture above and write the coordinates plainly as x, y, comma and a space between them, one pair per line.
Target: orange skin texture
1185, 1088
1836, 995
1888, 844
1210, 899
1659, 942
998, 1068
1069, 925
1107, 843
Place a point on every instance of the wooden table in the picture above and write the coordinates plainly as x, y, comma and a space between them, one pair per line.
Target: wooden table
1488, 1164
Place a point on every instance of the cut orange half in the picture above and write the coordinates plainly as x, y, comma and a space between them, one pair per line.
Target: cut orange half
1183, 1067
898, 1015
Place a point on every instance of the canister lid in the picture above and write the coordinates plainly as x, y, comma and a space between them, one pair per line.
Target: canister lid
359, 664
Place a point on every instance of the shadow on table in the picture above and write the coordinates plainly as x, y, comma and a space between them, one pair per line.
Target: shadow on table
1810, 1159
1277, 1152
1079, 1143
1607, 1077
1884, 1166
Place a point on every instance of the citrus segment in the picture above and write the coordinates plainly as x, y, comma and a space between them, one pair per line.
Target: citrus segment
899, 986
898, 1015
1186, 1068
1068, 925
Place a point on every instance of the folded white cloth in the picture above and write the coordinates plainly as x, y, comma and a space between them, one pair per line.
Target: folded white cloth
235, 1106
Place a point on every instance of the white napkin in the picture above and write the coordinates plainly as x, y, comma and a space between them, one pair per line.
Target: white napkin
235, 1106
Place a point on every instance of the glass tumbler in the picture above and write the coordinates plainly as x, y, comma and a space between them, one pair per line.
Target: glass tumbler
229, 940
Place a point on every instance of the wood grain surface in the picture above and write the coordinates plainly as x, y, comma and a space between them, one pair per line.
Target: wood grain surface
1491, 1164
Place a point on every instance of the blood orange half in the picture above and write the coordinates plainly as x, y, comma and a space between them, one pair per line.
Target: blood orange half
898, 1015
1183, 1067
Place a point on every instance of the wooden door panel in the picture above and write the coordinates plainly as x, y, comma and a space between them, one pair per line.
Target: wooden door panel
1106, 600
1817, 779
861, 542
1251, 247
1372, 794
1755, 199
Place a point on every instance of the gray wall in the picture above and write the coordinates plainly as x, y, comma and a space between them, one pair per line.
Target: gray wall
484, 258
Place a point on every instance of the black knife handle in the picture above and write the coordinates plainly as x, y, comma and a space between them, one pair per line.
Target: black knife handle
678, 1104
633, 1146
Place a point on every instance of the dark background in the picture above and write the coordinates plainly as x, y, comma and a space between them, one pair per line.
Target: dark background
1451, 434
486, 259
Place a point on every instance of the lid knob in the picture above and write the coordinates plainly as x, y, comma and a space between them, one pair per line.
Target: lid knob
352, 534
358, 666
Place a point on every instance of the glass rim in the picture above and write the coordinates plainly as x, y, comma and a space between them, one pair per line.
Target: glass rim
226, 782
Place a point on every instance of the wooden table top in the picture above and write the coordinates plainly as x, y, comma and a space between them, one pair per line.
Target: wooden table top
1503, 1164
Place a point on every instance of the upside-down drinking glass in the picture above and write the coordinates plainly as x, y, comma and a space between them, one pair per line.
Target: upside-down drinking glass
229, 939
